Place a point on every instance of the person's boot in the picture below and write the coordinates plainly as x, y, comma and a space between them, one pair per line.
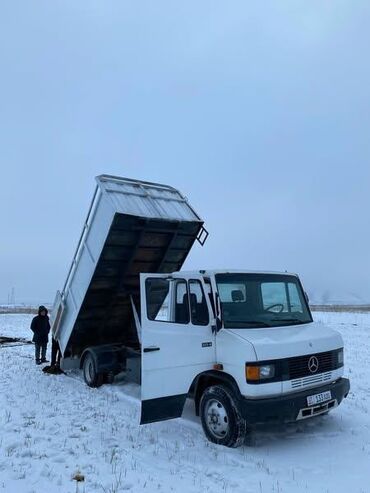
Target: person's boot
44, 360
38, 362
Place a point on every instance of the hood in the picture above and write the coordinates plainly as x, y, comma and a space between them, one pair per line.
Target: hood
293, 340
42, 308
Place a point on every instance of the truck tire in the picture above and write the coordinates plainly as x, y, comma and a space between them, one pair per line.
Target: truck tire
221, 420
91, 376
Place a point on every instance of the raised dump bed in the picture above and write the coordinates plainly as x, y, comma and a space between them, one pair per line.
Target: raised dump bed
132, 227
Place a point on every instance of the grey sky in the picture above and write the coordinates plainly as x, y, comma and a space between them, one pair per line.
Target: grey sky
257, 111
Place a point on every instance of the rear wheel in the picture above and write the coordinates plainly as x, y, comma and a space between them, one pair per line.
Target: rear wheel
91, 376
221, 420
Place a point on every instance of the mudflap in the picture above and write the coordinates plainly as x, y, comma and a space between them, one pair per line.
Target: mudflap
162, 408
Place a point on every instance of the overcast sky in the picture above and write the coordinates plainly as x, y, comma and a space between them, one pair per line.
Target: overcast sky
257, 111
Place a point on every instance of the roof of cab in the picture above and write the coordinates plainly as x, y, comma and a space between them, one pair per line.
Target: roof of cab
211, 272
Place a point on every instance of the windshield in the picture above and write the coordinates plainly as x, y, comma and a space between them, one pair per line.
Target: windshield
261, 300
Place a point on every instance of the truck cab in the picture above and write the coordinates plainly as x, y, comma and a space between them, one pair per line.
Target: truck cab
243, 344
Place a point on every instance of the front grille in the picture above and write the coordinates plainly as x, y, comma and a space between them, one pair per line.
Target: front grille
311, 380
298, 367
298, 370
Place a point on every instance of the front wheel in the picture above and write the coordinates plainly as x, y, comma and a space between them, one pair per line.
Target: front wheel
221, 420
91, 376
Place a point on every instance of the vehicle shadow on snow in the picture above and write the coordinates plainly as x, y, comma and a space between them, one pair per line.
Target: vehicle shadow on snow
317, 427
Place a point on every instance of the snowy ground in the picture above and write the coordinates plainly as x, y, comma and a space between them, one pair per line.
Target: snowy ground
54, 426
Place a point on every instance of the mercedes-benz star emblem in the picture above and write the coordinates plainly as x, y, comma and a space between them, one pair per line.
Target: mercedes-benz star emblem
313, 364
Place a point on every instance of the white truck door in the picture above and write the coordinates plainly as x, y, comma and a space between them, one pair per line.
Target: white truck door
177, 341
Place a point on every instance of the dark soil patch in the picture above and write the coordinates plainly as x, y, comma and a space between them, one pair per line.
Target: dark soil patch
12, 340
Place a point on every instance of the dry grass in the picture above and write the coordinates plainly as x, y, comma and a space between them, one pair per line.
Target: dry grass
18, 309
341, 308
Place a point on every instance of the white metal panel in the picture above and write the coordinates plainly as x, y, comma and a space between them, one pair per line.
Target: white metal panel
99, 228
69, 317
293, 340
233, 351
56, 314
86, 260
146, 200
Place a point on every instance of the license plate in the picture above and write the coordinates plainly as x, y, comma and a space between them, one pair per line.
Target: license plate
312, 400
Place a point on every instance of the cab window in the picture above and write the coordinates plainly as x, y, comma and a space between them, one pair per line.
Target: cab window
198, 304
167, 300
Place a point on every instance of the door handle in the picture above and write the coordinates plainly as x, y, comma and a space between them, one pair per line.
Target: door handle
150, 349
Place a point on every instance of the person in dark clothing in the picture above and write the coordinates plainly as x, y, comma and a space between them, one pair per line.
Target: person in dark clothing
40, 327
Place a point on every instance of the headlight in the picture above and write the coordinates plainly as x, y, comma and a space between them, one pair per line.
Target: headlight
254, 373
340, 357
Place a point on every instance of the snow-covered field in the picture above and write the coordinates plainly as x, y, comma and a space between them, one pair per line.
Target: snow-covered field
52, 427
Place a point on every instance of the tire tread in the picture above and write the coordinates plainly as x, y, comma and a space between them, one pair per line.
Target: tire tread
238, 427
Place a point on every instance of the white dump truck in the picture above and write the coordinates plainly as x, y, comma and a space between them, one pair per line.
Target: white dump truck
242, 344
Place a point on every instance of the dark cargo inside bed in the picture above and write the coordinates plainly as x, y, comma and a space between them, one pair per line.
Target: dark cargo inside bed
134, 245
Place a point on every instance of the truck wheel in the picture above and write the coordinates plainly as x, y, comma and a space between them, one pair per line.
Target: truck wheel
221, 420
91, 376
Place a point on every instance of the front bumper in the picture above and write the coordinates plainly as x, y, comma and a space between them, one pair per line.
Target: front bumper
291, 407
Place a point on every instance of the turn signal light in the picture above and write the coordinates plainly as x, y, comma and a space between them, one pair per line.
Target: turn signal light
252, 372
259, 373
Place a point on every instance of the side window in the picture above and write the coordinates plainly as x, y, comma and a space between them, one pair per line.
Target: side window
180, 313
167, 300
198, 304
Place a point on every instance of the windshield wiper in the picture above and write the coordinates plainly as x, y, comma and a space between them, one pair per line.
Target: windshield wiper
292, 320
258, 323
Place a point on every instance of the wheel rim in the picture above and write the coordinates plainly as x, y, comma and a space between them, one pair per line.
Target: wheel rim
216, 418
